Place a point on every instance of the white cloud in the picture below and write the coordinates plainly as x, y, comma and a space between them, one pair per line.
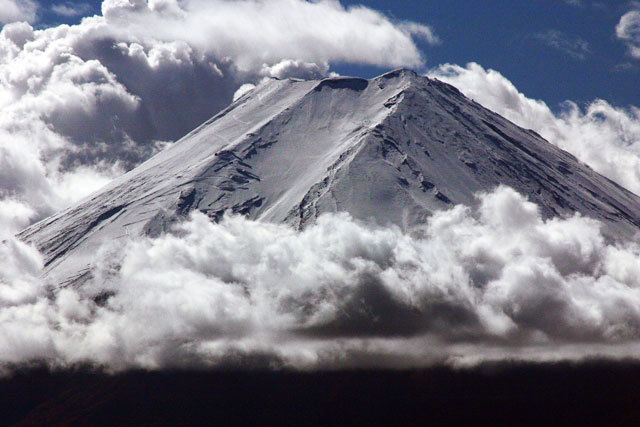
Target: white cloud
421, 31
497, 282
575, 47
245, 88
14, 215
71, 9
17, 10
254, 32
296, 69
80, 104
628, 29
605, 137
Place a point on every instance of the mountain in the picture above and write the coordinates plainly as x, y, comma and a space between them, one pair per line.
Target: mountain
391, 150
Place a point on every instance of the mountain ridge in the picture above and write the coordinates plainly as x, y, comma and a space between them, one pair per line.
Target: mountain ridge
390, 150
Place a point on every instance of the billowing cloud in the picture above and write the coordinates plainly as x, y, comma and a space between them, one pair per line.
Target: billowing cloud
17, 10
628, 30
605, 137
81, 104
254, 32
496, 282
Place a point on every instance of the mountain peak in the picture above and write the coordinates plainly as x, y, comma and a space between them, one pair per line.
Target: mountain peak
398, 72
390, 150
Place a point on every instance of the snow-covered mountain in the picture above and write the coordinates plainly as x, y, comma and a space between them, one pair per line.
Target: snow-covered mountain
390, 150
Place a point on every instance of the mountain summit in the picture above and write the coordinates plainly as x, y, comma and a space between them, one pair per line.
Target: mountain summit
389, 150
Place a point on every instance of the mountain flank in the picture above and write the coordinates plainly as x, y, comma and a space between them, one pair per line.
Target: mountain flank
390, 150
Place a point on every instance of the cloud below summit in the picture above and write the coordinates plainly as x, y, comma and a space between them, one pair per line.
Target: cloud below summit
81, 104
498, 282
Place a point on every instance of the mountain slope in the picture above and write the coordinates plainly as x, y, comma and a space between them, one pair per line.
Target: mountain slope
390, 150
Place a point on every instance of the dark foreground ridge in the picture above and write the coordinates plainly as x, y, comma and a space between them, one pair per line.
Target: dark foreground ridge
601, 393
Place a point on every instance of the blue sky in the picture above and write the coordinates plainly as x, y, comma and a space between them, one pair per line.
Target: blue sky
514, 38
552, 50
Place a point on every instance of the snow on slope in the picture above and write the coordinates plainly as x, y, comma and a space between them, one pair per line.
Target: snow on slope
391, 150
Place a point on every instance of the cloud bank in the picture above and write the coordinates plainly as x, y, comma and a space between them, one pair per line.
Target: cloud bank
498, 282
605, 137
81, 104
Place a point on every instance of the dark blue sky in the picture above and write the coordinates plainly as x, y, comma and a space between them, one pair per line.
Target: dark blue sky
508, 37
516, 38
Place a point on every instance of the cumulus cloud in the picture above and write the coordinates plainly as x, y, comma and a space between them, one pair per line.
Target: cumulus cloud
628, 30
17, 10
254, 32
81, 104
495, 282
605, 137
